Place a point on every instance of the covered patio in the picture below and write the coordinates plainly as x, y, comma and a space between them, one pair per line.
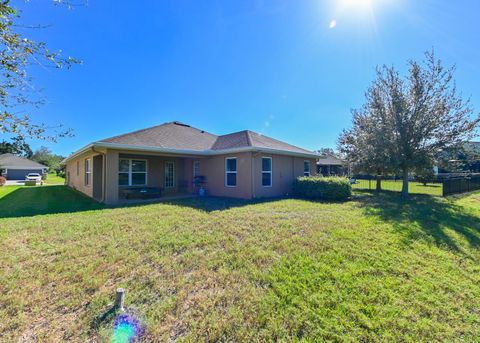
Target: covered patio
126, 177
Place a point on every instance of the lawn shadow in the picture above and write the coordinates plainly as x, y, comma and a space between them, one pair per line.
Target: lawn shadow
31, 201
424, 216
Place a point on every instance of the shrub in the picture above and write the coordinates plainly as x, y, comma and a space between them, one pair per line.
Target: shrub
322, 188
2, 181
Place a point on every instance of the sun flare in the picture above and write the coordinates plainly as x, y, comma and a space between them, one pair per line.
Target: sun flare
356, 4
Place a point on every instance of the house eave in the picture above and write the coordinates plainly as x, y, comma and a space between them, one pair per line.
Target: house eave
129, 147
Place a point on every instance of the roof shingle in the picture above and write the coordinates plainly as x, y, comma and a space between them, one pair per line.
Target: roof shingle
11, 161
176, 135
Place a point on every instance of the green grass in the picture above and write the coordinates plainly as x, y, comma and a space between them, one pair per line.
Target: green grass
396, 186
53, 178
372, 269
19, 201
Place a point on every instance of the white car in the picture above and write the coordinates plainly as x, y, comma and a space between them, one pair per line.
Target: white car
33, 177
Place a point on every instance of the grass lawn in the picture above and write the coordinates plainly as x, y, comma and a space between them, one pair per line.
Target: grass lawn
396, 186
371, 269
19, 201
53, 178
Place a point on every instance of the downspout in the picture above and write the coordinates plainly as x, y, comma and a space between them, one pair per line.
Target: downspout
104, 171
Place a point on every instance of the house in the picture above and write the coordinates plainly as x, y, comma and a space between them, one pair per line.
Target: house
330, 165
14, 167
173, 155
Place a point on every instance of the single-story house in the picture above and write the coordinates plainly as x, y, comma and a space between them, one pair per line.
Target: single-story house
14, 167
331, 165
174, 156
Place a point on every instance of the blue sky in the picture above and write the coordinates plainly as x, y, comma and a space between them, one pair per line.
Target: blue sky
275, 67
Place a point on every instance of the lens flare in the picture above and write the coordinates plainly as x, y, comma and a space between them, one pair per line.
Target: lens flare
333, 23
126, 329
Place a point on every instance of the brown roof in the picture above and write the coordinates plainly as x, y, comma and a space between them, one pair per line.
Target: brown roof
176, 135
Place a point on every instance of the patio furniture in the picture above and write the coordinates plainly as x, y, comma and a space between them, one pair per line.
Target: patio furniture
141, 192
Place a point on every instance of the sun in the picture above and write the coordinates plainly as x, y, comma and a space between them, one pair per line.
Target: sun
356, 4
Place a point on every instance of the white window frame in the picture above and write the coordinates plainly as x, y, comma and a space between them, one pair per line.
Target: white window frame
309, 168
267, 172
173, 174
130, 172
231, 172
196, 168
88, 172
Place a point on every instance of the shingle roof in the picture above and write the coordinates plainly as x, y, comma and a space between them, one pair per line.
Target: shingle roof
11, 161
175, 135
330, 160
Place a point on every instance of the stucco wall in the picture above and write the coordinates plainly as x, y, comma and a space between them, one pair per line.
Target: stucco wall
213, 168
285, 169
249, 176
77, 180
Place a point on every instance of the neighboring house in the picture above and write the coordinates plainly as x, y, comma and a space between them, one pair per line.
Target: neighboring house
330, 165
16, 168
171, 156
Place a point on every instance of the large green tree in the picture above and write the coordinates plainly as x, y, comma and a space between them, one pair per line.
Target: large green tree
45, 156
16, 146
17, 54
407, 121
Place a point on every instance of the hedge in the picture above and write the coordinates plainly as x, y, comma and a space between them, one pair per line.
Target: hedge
322, 188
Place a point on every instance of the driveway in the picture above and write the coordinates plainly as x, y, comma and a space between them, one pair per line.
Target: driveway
15, 183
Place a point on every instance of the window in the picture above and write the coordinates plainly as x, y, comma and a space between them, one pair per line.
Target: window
306, 168
196, 168
132, 172
231, 171
78, 168
169, 175
266, 171
88, 172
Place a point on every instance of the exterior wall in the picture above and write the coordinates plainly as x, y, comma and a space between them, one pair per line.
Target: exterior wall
213, 168
285, 169
77, 180
156, 172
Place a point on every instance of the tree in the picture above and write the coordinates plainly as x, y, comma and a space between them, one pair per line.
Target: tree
408, 121
17, 54
45, 156
17, 146
365, 145
425, 174
461, 158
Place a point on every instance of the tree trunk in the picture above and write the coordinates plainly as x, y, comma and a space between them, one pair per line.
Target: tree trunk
405, 184
379, 184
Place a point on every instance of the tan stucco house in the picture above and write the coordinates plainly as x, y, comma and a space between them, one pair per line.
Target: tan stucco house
175, 157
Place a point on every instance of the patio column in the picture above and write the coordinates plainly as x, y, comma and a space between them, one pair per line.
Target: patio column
111, 187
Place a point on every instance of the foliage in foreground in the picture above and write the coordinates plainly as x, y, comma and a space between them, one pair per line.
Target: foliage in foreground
322, 188
372, 269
